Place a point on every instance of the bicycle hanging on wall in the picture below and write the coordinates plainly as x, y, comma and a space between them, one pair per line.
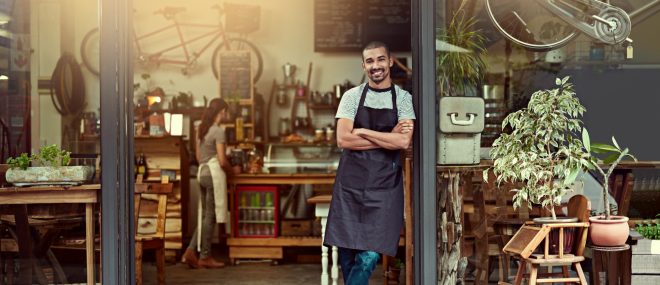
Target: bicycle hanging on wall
544, 25
239, 18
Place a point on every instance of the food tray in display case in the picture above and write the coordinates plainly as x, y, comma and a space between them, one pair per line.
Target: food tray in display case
301, 158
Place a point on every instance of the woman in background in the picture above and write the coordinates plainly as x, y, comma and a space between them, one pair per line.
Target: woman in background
213, 186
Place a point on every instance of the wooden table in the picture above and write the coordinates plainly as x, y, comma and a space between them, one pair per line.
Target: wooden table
21, 196
270, 248
322, 208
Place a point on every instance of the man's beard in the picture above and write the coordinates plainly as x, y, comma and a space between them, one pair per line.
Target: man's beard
377, 78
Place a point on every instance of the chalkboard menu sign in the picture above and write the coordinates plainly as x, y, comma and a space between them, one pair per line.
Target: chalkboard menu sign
348, 25
235, 75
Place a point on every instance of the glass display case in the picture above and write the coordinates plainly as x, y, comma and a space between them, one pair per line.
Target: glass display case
301, 158
256, 212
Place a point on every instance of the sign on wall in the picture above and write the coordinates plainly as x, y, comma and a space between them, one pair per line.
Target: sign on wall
235, 75
348, 25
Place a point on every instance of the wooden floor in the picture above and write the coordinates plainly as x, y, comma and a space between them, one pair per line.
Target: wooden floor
247, 274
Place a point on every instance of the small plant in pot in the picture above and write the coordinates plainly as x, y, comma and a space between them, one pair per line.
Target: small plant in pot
607, 229
49, 166
543, 152
394, 270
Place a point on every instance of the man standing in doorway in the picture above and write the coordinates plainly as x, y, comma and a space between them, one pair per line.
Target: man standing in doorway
375, 122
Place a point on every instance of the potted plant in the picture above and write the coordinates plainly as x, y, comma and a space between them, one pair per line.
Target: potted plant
460, 66
50, 167
542, 153
394, 270
606, 230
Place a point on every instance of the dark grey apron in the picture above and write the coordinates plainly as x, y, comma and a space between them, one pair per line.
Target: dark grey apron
366, 212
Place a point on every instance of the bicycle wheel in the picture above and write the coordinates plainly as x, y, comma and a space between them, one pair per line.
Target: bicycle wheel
239, 44
529, 24
89, 51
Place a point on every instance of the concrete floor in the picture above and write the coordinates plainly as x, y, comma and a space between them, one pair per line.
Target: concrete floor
247, 274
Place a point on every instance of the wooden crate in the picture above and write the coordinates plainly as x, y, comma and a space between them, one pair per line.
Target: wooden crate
296, 227
265, 252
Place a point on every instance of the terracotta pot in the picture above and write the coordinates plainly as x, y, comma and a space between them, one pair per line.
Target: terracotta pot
612, 232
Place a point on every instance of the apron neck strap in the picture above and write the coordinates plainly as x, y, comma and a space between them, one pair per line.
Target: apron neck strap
366, 89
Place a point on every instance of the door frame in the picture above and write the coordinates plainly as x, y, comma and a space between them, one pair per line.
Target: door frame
116, 72
424, 140
116, 79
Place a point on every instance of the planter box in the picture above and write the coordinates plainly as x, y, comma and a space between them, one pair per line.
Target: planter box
645, 264
646, 246
645, 279
646, 260
50, 175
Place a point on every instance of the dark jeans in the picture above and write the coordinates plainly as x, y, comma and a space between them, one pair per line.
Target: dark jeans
357, 265
208, 218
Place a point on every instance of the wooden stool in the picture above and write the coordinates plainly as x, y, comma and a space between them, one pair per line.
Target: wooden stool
615, 261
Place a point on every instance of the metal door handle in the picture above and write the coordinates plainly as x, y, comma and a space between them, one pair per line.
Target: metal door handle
461, 122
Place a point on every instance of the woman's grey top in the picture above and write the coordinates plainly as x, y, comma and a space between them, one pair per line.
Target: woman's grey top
207, 150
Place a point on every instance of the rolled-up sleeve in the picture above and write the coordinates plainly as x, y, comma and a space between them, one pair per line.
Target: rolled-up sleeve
348, 105
405, 107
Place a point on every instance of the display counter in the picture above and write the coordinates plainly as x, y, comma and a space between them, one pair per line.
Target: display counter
270, 248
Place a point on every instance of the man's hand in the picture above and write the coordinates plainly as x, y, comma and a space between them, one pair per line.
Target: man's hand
358, 132
403, 127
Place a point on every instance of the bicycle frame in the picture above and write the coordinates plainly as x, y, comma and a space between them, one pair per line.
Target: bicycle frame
190, 58
608, 24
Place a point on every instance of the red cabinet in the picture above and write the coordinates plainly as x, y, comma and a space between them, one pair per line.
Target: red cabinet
256, 211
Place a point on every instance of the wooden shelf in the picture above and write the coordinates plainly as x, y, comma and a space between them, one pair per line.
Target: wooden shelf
278, 241
249, 125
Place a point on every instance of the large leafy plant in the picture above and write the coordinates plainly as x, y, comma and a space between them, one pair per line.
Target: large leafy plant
459, 71
543, 153
604, 159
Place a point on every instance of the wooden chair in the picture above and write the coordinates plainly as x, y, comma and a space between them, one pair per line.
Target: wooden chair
529, 237
34, 230
155, 241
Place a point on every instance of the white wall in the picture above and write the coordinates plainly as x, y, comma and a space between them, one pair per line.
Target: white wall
286, 35
45, 38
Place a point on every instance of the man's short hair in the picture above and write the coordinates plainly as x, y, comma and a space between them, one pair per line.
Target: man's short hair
376, 44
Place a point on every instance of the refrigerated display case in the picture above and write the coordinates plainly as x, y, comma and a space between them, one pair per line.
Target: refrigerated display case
256, 214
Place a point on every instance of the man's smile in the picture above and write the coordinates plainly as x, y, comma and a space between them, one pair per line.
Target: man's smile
377, 72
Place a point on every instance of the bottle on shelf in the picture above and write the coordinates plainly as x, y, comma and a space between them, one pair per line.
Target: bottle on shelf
239, 129
142, 166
